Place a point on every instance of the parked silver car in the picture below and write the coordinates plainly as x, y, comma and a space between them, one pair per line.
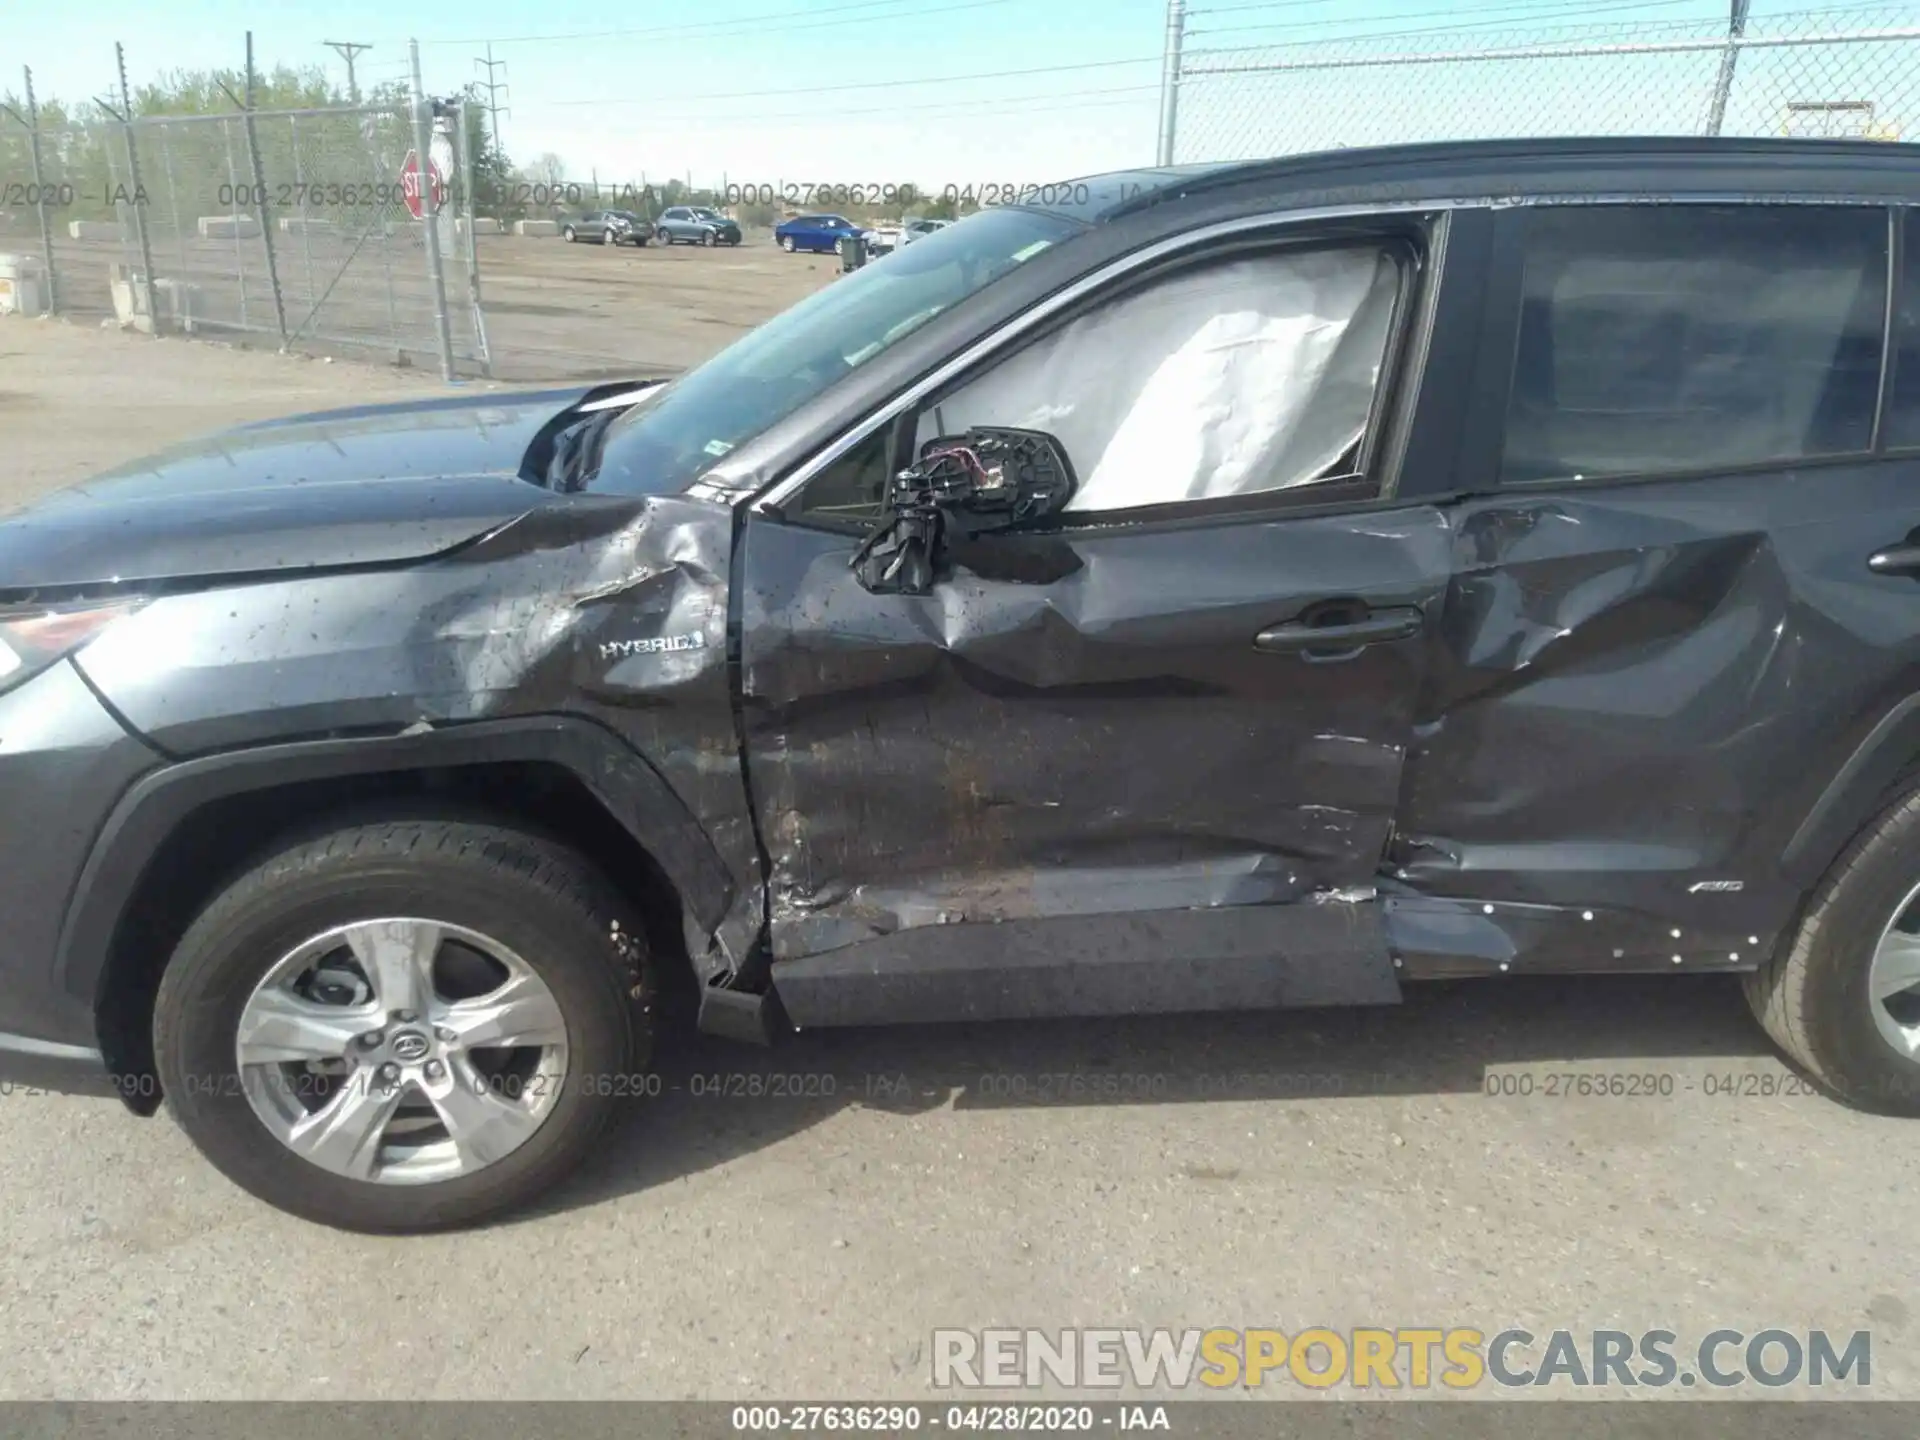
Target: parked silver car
695, 225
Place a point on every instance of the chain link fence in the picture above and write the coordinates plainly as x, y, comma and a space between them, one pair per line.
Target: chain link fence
1845, 72
291, 225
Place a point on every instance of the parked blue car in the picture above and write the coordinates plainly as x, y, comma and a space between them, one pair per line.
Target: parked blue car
814, 232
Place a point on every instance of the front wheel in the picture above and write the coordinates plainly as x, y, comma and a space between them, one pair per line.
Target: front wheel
569, 235
706, 237
403, 1025
786, 244
612, 239
1841, 994
665, 237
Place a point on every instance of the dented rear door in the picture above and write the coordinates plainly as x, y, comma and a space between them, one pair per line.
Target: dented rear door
1645, 680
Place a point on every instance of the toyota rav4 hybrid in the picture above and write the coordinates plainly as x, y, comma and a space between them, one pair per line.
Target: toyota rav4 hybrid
1263, 585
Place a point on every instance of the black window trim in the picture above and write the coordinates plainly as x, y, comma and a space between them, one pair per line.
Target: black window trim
1514, 290
1373, 486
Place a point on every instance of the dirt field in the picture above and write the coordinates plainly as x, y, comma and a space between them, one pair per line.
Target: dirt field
553, 311
559, 309
1342, 1169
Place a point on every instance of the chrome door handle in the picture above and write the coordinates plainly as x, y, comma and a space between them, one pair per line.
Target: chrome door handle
1895, 560
1341, 641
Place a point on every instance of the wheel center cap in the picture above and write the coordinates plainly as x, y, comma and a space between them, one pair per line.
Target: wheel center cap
409, 1046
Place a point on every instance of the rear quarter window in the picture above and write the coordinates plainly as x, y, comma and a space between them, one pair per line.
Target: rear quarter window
1903, 397
1658, 339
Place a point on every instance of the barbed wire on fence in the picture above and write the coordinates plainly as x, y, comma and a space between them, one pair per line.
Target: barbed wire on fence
1839, 72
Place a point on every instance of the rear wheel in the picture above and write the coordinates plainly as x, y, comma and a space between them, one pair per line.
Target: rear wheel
403, 1025
664, 236
1842, 996
568, 233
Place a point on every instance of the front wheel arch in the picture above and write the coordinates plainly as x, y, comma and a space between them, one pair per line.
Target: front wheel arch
183, 831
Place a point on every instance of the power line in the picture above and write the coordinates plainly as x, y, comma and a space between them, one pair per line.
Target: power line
1257, 5
871, 84
1064, 100
1520, 11
1509, 22
706, 29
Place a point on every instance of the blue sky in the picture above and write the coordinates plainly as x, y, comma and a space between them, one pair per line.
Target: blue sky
788, 90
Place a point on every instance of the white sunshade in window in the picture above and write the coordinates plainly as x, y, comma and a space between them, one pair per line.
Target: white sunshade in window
1252, 375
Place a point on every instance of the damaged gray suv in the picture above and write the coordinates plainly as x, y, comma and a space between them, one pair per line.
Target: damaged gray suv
1194, 589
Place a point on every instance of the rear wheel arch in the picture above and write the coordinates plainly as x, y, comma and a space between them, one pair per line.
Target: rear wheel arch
183, 833
1884, 765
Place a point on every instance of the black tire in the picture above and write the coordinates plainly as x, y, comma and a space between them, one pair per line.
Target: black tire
1811, 995
665, 237
786, 244
537, 897
612, 239
568, 235
706, 237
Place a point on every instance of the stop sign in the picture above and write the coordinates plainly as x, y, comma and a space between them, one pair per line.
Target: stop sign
410, 184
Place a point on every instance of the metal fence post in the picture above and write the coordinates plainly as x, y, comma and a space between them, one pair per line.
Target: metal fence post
1723, 83
1170, 79
173, 204
300, 203
234, 189
139, 205
423, 150
260, 198
40, 190
463, 162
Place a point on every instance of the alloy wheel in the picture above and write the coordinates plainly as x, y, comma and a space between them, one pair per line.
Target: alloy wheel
1893, 980
402, 1051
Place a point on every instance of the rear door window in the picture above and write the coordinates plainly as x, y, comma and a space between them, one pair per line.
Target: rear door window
1656, 339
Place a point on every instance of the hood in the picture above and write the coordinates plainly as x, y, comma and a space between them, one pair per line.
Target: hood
373, 485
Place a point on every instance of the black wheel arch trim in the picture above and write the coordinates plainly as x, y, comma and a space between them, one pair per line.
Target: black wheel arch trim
1856, 790
620, 779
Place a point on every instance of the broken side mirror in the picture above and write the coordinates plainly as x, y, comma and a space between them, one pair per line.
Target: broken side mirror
984, 480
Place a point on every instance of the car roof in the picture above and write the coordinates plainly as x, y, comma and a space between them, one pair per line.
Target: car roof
1516, 168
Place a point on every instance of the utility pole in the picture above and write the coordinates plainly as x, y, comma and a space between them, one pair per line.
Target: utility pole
1170, 78
494, 89
1723, 85
347, 49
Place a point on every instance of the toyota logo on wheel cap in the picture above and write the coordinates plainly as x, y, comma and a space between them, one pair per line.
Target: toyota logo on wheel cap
410, 1045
